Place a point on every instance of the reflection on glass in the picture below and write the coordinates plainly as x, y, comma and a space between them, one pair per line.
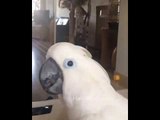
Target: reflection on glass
33, 62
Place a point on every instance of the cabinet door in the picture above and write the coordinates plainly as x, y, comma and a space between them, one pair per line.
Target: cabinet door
109, 43
102, 19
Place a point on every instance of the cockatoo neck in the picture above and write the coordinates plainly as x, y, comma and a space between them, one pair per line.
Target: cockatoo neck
88, 101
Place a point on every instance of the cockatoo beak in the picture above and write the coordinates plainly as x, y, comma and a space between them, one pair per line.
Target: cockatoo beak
51, 77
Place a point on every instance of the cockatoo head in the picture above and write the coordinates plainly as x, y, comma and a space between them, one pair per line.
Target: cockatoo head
68, 65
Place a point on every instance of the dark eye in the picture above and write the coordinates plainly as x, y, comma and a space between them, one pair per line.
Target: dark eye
69, 63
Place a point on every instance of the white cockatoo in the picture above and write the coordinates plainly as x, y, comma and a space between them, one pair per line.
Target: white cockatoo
85, 86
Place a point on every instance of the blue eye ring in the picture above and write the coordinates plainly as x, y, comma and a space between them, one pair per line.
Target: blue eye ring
69, 63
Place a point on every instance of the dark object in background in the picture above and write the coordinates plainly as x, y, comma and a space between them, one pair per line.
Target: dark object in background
96, 54
108, 45
52, 97
41, 110
49, 98
62, 29
80, 40
113, 25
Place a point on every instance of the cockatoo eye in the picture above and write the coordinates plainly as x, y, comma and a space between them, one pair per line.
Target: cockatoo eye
69, 63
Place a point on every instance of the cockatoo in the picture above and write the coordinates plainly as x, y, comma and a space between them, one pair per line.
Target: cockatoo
85, 86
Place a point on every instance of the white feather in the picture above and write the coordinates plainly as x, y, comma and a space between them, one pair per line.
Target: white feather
87, 91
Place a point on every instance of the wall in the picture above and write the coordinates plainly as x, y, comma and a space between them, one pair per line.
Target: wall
42, 4
50, 7
47, 5
61, 12
122, 49
92, 27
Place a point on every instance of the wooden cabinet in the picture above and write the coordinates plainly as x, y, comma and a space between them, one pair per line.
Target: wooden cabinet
107, 33
108, 45
102, 19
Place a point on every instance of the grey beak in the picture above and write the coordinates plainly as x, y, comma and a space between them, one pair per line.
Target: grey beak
51, 77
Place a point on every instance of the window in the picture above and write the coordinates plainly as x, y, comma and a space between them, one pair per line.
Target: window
35, 6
